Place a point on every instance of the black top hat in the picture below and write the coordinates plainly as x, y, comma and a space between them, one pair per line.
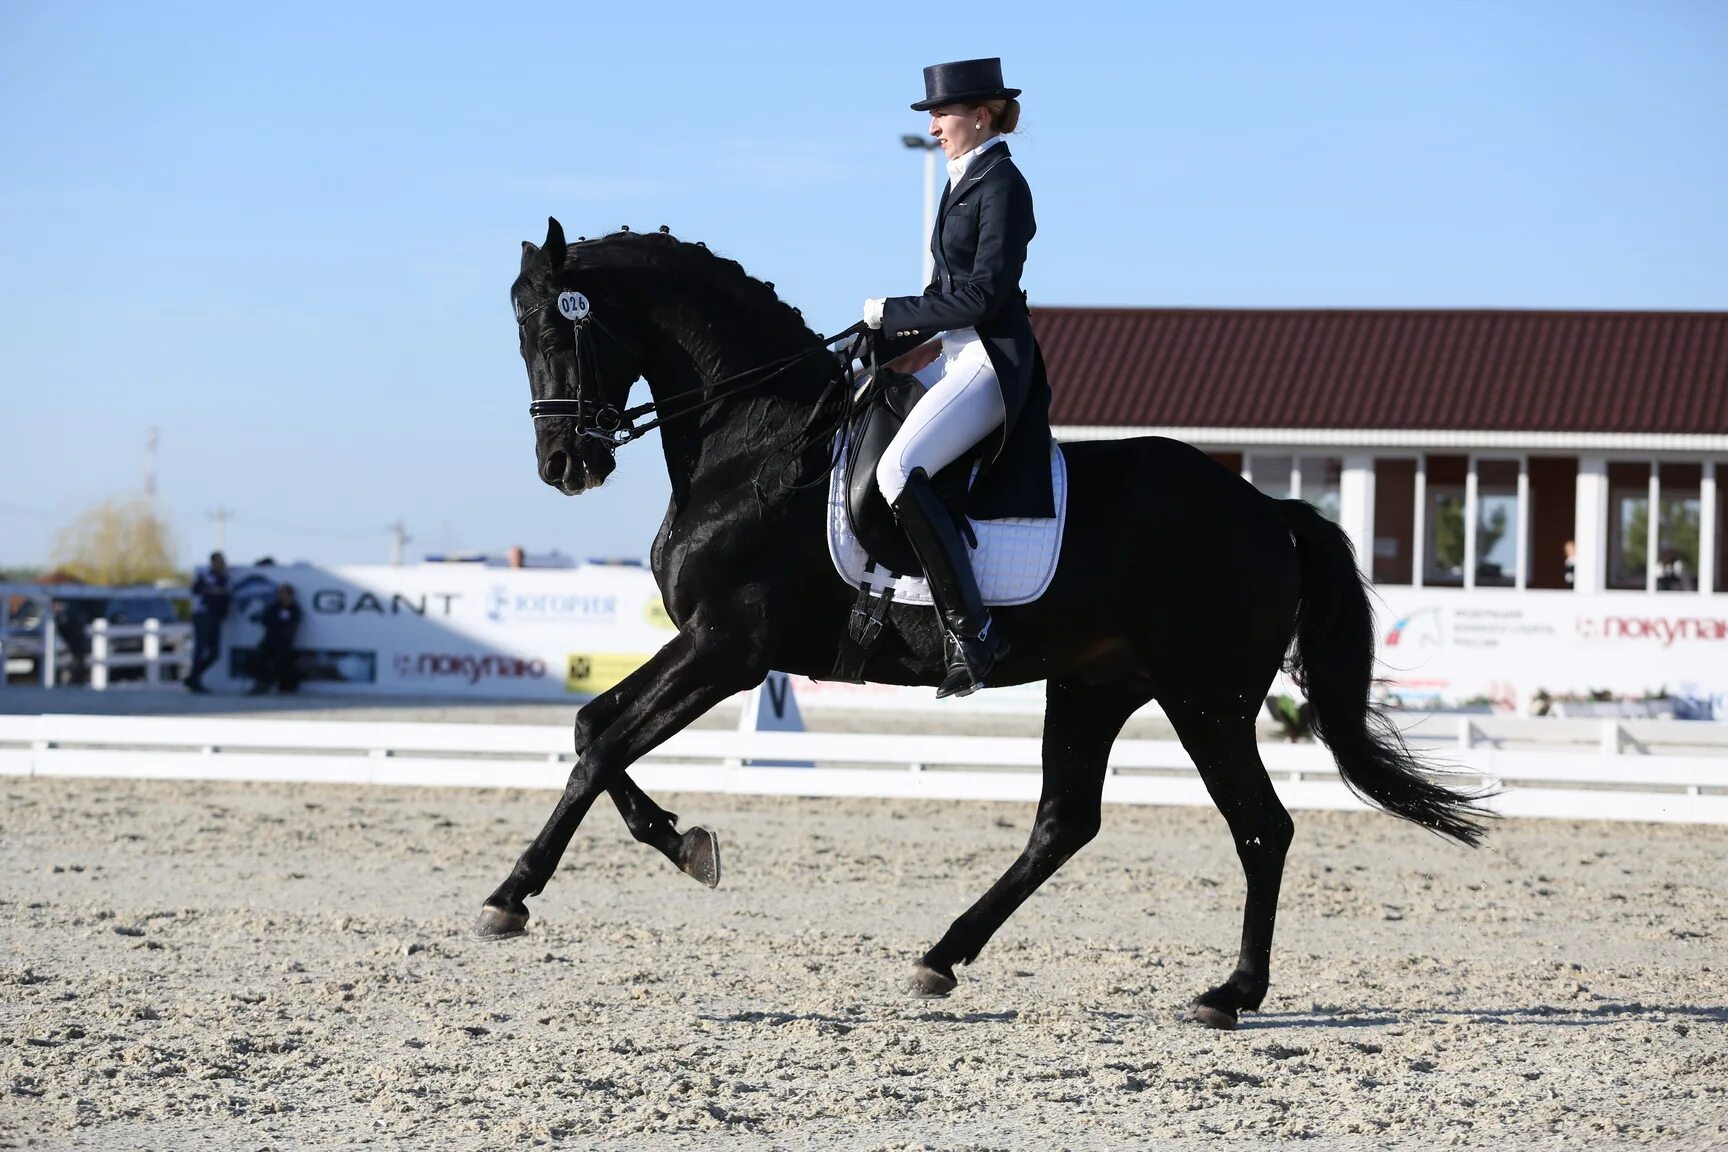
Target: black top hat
964, 82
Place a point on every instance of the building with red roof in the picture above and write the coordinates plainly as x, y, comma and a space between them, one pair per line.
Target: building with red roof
1467, 448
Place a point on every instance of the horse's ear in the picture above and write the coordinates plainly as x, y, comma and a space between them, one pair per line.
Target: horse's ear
555, 245
529, 251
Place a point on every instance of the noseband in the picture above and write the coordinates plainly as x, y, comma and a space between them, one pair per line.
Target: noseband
601, 421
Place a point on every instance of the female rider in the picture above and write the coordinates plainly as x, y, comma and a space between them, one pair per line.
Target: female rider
983, 374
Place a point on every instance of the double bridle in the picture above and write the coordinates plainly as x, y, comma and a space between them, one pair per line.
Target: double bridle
602, 421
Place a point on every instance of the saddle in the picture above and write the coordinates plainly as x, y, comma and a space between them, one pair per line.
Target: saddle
868, 435
1014, 559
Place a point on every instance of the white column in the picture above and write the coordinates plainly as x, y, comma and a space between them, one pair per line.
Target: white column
929, 258
50, 641
152, 652
1470, 513
99, 654
1707, 544
1653, 531
1356, 508
1525, 520
1419, 526
1590, 526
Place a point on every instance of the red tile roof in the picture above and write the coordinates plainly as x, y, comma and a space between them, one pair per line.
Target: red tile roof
1394, 369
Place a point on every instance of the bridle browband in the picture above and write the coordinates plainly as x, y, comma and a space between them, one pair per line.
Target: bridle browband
605, 422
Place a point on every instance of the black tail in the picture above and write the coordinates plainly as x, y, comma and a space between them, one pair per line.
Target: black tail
1334, 664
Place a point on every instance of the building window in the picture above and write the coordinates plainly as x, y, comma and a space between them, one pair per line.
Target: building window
1271, 474
1443, 545
1316, 479
1680, 507
1498, 523
1553, 520
1628, 524
1322, 484
1394, 520
1721, 490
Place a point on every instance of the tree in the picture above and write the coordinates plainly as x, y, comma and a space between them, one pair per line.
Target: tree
1448, 513
120, 541
1677, 534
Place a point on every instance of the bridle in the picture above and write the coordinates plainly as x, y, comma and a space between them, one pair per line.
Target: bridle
600, 421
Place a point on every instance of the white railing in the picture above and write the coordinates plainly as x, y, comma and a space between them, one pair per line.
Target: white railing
164, 644
1588, 784
1563, 734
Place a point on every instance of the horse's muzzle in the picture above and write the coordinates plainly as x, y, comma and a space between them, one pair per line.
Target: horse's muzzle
563, 471
575, 468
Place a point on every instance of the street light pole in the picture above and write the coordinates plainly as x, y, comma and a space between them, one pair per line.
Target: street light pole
928, 146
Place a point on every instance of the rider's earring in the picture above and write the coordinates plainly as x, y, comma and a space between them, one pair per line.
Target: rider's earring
978, 125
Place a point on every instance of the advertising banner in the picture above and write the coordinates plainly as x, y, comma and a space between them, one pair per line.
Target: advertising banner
457, 629
1503, 646
472, 631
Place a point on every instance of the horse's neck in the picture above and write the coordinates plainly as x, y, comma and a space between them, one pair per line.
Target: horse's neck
706, 434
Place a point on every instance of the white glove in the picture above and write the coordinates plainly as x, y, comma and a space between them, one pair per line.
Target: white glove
873, 312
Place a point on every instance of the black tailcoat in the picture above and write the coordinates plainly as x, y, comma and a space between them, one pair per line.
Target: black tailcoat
982, 229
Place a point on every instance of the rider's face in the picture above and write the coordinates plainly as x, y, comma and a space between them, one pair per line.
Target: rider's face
953, 125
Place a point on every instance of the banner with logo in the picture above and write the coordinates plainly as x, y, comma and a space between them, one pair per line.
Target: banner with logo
1502, 646
456, 629
471, 631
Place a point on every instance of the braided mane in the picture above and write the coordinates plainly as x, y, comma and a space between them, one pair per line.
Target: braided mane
693, 261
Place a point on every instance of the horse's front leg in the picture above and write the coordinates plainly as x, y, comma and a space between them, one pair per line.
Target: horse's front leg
692, 673
695, 852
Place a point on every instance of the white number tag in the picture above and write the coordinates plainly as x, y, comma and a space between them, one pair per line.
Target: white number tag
573, 306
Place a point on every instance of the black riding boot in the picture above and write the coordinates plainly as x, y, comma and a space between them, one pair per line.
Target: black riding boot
970, 645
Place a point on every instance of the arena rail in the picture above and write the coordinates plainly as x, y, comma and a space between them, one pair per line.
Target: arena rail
1598, 785
164, 645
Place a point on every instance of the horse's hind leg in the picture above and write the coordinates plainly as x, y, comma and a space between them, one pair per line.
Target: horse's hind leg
695, 852
1081, 721
1225, 751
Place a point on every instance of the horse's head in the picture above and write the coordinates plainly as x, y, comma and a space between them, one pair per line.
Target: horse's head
577, 345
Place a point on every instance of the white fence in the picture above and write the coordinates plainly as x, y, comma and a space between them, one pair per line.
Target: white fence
1599, 783
167, 645
154, 645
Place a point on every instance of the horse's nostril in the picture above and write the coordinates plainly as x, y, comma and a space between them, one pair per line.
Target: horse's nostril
556, 463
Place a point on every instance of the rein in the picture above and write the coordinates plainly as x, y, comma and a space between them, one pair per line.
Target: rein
617, 428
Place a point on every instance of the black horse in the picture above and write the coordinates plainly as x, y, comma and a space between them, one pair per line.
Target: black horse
1177, 582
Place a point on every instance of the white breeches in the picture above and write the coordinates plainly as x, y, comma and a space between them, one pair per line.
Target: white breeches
961, 405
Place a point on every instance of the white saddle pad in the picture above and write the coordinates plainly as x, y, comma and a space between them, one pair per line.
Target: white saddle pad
1015, 559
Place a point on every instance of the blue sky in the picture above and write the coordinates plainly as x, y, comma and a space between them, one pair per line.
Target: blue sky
283, 234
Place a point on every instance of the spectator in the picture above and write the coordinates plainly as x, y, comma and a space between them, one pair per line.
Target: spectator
275, 657
1571, 562
1675, 575
70, 627
210, 600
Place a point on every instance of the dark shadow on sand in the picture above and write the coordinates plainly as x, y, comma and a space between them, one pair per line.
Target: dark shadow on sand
1608, 1012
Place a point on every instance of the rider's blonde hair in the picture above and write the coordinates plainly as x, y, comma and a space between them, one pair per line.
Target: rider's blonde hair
1004, 114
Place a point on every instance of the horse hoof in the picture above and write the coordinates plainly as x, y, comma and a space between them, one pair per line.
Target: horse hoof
500, 924
1210, 1017
699, 856
928, 984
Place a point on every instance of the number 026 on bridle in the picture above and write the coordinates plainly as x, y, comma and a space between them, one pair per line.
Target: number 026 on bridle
1177, 581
